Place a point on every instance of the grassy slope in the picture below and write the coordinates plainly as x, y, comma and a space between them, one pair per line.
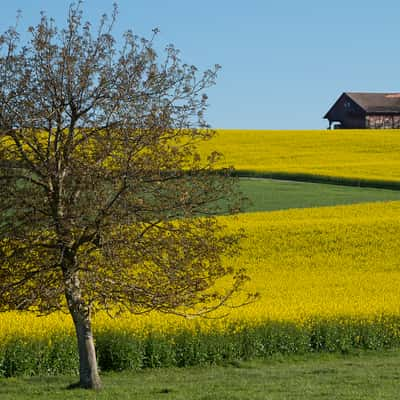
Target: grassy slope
269, 195
368, 375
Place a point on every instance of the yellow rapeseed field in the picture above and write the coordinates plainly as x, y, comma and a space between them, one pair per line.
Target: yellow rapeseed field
356, 154
322, 262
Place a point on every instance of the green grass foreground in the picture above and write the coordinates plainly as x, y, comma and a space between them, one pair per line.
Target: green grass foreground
270, 195
363, 375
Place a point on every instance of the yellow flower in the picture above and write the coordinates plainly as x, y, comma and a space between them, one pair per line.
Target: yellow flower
323, 262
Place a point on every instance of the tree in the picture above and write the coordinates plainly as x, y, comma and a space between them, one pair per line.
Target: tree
105, 203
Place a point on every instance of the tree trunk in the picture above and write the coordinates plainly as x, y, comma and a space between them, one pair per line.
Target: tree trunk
88, 372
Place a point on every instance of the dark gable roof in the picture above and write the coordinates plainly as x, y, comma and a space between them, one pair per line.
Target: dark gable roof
377, 103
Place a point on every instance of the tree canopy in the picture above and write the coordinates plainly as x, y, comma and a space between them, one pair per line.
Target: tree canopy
105, 202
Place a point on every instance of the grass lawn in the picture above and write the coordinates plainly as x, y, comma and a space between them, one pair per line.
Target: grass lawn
365, 375
269, 195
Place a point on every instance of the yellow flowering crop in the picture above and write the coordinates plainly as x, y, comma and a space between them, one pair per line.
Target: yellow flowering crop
323, 262
356, 154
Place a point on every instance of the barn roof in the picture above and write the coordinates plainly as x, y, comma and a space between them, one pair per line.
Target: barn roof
376, 103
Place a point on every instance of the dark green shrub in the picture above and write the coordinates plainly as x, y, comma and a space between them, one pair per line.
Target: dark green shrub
117, 351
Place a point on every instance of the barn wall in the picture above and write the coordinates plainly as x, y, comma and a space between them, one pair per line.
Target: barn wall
348, 113
353, 122
382, 121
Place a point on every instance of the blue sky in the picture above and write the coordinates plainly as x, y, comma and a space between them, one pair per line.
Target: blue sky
284, 62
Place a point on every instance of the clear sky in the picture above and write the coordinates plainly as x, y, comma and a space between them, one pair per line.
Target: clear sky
284, 62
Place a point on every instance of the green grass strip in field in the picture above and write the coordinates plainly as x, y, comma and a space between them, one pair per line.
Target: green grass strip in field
269, 194
323, 179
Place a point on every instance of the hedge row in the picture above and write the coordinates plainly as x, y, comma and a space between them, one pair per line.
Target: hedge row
121, 350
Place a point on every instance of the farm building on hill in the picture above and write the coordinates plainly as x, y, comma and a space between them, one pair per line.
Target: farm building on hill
365, 110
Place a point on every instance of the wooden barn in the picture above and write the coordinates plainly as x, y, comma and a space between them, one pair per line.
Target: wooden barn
365, 111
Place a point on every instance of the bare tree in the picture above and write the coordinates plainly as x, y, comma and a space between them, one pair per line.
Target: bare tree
105, 203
